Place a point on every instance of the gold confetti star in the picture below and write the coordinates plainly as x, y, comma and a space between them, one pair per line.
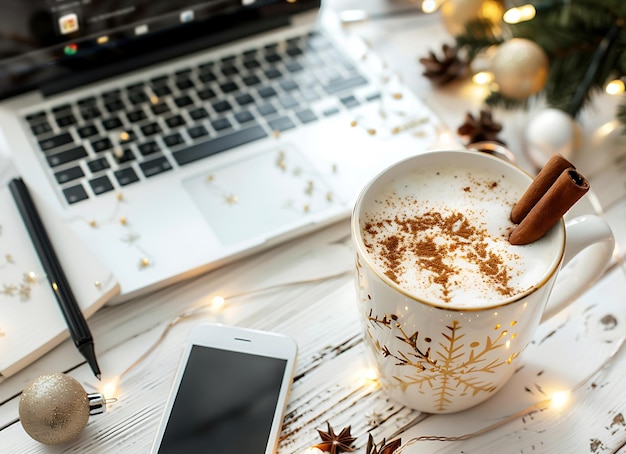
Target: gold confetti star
30, 278
24, 291
231, 199
9, 289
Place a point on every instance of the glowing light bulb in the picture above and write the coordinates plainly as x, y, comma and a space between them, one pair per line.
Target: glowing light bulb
218, 302
483, 77
109, 390
429, 6
615, 87
559, 399
519, 14
371, 374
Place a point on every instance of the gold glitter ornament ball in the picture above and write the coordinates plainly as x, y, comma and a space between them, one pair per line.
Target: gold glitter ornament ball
520, 68
54, 409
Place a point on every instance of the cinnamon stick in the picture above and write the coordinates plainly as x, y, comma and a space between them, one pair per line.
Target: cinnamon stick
568, 188
540, 185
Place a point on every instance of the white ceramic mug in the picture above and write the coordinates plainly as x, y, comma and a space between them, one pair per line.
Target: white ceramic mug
439, 358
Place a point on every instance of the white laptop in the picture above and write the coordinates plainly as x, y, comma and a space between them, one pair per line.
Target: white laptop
177, 136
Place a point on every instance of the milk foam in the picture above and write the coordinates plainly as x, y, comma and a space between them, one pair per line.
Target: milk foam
443, 237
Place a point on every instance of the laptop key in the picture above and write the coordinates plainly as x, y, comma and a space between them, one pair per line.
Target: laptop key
56, 141
306, 116
155, 166
266, 92
197, 131
87, 131
112, 123
122, 156
222, 106
198, 114
75, 194
126, 176
101, 185
175, 121
66, 121
266, 109
69, 174
350, 101
219, 144
148, 148
344, 84
281, 124
150, 129
173, 139
244, 117
67, 156
220, 124
97, 165
41, 128
136, 116
244, 99
101, 144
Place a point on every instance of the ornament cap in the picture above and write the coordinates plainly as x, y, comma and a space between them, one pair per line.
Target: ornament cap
97, 403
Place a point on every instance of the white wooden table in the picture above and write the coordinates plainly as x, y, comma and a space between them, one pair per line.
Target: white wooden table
305, 289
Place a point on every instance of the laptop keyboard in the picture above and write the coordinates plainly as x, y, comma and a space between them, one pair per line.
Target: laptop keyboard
123, 136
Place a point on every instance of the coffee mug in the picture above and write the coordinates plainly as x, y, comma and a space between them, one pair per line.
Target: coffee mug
446, 304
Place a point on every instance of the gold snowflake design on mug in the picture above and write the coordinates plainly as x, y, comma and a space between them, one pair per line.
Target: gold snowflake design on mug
448, 368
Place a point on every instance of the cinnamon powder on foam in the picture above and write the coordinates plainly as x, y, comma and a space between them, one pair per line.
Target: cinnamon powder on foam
432, 240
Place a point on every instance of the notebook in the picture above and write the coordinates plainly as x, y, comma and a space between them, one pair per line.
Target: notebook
173, 137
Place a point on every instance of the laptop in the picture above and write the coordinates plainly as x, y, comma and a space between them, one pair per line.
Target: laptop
178, 136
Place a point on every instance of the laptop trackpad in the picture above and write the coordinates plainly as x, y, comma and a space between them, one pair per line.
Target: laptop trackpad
262, 195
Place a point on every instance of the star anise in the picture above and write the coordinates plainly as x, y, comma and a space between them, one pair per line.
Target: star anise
480, 129
386, 448
445, 69
335, 444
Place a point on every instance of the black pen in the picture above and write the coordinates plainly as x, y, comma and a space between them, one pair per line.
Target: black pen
76, 323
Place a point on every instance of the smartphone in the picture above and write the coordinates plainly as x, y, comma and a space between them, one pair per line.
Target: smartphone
229, 394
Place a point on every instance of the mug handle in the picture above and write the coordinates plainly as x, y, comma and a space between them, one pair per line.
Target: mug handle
591, 241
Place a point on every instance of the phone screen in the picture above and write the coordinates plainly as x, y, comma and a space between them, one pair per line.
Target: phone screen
225, 403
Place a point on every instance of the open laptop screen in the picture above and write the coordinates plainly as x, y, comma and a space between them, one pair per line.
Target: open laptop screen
59, 44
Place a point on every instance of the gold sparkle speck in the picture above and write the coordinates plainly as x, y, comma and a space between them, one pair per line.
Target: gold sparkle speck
371, 131
124, 136
329, 196
120, 196
9, 289
123, 220
276, 134
118, 152
231, 199
30, 277
8, 258
144, 263
397, 96
97, 284
306, 208
93, 223
354, 123
210, 178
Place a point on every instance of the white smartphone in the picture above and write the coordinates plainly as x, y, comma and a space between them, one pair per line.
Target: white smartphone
229, 394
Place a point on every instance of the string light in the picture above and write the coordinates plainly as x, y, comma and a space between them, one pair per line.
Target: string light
218, 302
483, 77
430, 6
519, 14
615, 87
559, 399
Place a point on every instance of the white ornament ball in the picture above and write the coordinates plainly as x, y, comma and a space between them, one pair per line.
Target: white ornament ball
551, 131
520, 68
